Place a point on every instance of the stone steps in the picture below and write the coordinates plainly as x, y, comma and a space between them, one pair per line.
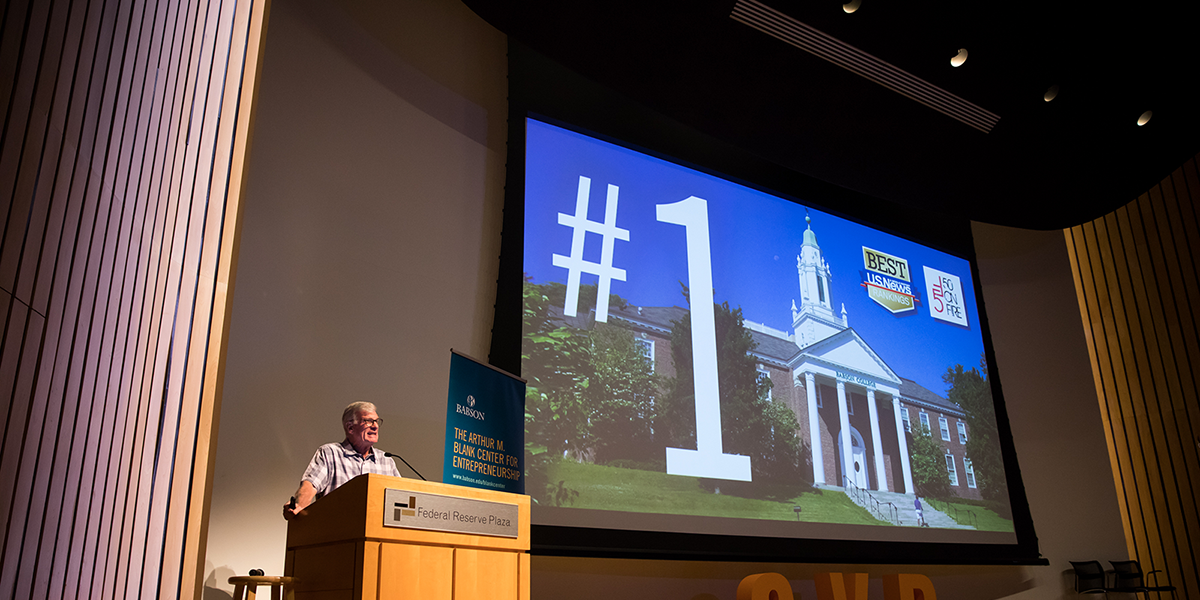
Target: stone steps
906, 511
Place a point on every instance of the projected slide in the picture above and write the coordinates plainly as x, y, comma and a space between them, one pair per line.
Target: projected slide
705, 357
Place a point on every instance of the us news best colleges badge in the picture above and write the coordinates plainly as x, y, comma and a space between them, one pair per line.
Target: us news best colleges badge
888, 281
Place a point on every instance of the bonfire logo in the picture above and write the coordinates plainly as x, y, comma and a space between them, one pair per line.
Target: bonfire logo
946, 300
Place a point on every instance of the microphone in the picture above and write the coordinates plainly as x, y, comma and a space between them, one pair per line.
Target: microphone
390, 455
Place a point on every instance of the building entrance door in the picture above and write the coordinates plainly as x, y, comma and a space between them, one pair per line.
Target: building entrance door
855, 469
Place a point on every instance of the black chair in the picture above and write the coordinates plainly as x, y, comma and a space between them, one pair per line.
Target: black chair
1089, 577
1129, 579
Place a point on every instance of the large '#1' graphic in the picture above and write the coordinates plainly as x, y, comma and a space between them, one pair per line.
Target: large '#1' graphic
709, 458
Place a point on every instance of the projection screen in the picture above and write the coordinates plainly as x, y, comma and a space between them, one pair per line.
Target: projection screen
717, 370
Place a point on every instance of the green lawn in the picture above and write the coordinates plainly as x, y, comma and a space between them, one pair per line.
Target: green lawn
985, 519
613, 488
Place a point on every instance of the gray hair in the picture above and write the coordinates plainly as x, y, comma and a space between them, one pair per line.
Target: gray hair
350, 415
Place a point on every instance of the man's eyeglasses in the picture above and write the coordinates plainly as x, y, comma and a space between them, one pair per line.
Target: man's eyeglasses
375, 422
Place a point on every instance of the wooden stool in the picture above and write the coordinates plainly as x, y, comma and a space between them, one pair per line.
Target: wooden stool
246, 585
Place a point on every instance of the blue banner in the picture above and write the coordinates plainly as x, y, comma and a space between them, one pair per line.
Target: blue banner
485, 427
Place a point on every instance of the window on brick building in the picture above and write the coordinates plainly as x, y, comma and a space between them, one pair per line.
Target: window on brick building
950, 470
764, 374
647, 347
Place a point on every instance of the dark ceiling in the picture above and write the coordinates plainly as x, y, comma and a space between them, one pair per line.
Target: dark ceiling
1041, 165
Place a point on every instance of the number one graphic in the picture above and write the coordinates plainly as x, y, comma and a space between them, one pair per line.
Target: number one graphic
708, 459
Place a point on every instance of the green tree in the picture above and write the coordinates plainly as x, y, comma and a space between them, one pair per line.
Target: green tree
554, 360
591, 390
971, 390
928, 462
751, 425
783, 457
620, 396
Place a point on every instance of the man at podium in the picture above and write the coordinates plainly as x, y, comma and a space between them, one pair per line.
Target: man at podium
335, 464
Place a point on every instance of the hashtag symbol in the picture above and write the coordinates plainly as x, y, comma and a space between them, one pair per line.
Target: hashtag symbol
575, 264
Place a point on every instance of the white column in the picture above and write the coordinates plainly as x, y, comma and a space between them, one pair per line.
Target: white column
844, 421
908, 483
880, 473
814, 430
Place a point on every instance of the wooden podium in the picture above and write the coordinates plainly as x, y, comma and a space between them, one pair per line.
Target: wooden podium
339, 547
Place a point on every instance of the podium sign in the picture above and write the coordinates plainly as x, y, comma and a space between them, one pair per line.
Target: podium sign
485, 427
436, 512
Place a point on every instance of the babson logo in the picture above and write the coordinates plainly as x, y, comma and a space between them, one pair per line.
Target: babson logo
888, 281
467, 410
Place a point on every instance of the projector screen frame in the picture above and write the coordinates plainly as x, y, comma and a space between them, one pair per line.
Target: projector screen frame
552, 94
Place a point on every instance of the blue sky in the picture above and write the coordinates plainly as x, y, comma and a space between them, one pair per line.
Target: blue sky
754, 237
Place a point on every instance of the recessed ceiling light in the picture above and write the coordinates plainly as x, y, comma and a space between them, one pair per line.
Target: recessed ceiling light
1051, 93
851, 6
959, 58
1145, 118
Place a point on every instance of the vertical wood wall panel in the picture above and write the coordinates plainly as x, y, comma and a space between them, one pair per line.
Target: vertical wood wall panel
1142, 392
10, 353
139, 91
1174, 472
8, 370
1134, 472
55, 85
162, 415
1085, 293
12, 21
127, 555
33, 22
203, 254
1188, 413
121, 163
98, 357
1160, 386
34, 138
83, 125
251, 20
1136, 278
185, 257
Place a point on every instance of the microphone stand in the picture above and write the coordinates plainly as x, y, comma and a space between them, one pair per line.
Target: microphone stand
391, 455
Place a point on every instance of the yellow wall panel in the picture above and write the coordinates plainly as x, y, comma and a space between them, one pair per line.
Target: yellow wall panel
1138, 286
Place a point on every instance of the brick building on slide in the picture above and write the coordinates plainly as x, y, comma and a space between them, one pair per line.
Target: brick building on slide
865, 412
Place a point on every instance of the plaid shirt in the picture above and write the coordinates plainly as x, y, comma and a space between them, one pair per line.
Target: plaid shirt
335, 464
